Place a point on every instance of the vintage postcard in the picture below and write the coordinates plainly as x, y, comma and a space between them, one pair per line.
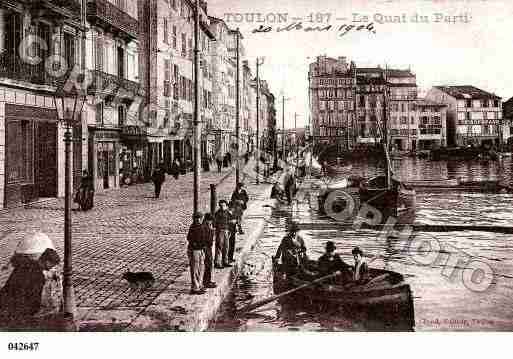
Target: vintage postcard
241, 166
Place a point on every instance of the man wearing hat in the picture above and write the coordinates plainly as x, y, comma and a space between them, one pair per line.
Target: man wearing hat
239, 201
223, 221
361, 269
292, 250
330, 262
210, 234
196, 254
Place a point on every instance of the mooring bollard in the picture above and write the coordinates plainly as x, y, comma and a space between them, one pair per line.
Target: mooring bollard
213, 199
31, 298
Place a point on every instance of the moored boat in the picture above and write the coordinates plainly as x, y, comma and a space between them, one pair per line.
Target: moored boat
391, 201
448, 182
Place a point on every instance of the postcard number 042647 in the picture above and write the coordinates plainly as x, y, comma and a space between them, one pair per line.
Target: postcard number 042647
19, 346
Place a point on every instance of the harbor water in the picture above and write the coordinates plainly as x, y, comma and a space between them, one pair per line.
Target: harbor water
461, 280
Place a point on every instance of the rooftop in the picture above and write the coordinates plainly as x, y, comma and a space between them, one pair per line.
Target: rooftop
425, 102
467, 92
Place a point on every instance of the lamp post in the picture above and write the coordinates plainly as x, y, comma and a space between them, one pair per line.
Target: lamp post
69, 105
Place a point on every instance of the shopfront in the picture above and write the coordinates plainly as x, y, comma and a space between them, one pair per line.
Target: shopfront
30, 154
103, 157
133, 152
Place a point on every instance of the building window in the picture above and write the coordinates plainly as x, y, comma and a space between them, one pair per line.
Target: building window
99, 114
468, 103
486, 130
184, 45
69, 50
496, 103
404, 120
121, 115
166, 31
486, 103
175, 81
413, 120
19, 151
174, 37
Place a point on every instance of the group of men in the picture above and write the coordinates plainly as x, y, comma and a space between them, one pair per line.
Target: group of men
292, 252
219, 231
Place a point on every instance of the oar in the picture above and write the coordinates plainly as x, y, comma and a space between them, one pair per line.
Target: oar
290, 291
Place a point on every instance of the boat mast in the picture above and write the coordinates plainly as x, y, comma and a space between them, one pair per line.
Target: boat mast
385, 130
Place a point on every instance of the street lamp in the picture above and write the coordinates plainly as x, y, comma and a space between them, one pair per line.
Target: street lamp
69, 105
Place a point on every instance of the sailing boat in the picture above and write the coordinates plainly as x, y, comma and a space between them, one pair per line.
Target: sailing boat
384, 193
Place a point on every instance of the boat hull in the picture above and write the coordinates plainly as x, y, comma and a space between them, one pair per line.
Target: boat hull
390, 304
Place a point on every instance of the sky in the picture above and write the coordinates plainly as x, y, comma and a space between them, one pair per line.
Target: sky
462, 42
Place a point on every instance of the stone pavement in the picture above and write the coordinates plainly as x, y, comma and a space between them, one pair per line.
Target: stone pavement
127, 229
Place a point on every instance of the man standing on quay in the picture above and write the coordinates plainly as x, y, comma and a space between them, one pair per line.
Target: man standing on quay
223, 219
240, 199
210, 233
196, 254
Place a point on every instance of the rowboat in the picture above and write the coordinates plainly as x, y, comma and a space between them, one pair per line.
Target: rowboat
462, 186
449, 182
386, 296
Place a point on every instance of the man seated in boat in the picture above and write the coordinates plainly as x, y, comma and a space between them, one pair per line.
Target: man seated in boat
292, 251
361, 270
330, 262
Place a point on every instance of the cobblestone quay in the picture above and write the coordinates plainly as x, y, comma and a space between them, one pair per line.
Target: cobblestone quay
129, 229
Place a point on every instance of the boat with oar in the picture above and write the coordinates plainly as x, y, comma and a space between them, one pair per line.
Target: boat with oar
457, 184
384, 296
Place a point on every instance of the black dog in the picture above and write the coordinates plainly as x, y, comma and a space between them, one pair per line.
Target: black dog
139, 279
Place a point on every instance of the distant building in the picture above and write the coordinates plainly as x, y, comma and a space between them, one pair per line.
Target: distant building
348, 106
112, 54
167, 72
474, 116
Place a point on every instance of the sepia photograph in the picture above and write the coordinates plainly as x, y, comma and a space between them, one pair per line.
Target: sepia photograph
231, 167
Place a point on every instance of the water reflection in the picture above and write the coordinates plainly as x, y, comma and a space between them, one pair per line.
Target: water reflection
441, 302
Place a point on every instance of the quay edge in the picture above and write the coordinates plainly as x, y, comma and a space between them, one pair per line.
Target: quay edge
176, 310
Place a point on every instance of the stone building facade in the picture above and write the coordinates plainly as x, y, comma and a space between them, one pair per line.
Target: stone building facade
474, 116
31, 139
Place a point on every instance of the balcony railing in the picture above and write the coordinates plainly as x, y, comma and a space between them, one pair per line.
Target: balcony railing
111, 85
14, 68
111, 18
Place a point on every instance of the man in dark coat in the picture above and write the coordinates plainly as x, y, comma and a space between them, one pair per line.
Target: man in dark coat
210, 234
330, 262
158, 178
290, 187
223, 221
240, 198
196, 253
292, 251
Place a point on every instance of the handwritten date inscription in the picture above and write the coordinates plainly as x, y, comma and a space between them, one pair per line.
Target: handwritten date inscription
342, 30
